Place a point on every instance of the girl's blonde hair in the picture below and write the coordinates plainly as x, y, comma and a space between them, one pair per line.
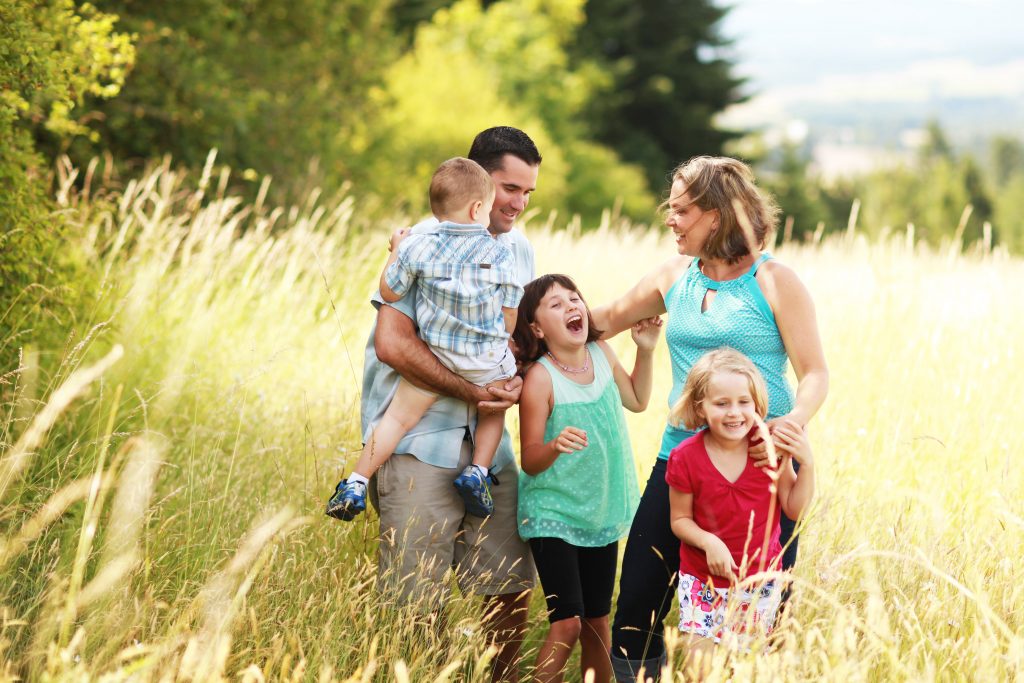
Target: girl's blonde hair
687, 408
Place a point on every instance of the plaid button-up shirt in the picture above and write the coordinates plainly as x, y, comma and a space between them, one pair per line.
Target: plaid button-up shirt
465, 277
437, 437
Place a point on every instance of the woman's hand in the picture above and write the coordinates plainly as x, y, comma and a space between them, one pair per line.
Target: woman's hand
645, 333
719, 558
571, 439
791, 439
758, 450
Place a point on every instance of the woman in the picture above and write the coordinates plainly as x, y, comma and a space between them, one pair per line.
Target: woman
720, 290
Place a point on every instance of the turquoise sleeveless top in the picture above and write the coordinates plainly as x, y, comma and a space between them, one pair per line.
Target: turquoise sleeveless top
586, 498
739, 317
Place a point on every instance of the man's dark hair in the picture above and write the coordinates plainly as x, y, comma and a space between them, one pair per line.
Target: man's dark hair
491, 146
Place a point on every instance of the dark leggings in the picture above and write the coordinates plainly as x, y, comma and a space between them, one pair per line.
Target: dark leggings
650, 570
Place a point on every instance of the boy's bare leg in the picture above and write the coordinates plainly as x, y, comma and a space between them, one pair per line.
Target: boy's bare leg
489, 428
404, 412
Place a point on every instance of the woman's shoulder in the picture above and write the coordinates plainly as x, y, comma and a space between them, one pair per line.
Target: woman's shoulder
778, 281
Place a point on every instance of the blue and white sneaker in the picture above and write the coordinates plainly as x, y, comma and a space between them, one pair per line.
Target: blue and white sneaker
349, 500
475, 490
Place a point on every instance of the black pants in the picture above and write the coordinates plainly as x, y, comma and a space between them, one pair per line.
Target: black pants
650, 567
577, 581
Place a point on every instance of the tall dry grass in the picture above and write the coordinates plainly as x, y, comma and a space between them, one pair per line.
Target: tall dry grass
162, 513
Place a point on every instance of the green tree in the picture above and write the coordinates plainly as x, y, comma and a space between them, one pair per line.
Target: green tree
797, 194
272, 84
471, 68
671, 75
52, 56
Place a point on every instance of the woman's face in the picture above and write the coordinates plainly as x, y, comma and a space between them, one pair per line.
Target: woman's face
688, 222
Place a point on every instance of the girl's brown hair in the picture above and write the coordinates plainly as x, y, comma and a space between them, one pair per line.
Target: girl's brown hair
727, 186
687, 408
529, 347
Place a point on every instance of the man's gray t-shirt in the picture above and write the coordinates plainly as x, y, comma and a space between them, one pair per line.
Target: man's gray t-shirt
437, 437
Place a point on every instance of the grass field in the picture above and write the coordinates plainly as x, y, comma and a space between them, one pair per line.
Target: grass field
166, 523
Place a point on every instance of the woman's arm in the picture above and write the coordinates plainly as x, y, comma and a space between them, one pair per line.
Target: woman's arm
796, 490
719, 558
646, 299
535, 407
635, 388
798, 325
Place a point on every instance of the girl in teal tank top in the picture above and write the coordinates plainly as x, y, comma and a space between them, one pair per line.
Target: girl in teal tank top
578, 488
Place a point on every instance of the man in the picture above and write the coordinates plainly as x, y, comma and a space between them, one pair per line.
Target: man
424, 526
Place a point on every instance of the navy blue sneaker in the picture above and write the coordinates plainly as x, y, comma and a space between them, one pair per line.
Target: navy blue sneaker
475, 490
349, 500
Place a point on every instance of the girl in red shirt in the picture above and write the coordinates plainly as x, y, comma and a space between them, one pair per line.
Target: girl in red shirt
724, 509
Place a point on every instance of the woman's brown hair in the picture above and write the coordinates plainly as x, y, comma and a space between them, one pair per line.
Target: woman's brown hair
727, 186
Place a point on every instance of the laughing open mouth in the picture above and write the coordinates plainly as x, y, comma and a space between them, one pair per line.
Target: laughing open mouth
575, 323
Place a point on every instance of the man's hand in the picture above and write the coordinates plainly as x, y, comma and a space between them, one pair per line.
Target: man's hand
497, 399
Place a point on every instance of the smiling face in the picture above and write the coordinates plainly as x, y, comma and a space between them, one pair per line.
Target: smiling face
561, 319
690, 224
728, 406
514, 181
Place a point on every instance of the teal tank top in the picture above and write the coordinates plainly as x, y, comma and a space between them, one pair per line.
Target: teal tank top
586, 498
739, 317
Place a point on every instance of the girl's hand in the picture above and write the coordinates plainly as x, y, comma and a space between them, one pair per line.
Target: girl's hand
791, 439
396, 238
645, 333
571, 439
719, 558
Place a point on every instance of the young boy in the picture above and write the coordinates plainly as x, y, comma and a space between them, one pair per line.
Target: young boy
468, 296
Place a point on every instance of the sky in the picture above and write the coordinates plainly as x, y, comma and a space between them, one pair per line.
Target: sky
961, 59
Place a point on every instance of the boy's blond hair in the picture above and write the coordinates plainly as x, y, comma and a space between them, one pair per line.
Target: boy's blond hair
458, 183
687, 409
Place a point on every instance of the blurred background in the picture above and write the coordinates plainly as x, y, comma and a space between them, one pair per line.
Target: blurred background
906, 116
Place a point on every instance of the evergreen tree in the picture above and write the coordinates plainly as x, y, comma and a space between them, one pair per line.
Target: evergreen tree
672, 75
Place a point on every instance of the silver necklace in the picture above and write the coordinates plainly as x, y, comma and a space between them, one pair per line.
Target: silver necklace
573, 371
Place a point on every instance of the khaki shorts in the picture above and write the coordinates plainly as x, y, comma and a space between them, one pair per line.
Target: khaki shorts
425, 531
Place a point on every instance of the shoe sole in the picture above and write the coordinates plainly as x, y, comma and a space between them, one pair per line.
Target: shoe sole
473, 505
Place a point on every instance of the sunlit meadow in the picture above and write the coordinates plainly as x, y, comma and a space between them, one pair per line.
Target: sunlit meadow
162, 492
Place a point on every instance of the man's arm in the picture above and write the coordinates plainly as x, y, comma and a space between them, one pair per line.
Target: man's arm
397, 344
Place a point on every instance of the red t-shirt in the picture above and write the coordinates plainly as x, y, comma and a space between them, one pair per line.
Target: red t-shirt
723, 509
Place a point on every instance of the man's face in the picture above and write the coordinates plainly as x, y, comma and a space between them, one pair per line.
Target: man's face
514, 181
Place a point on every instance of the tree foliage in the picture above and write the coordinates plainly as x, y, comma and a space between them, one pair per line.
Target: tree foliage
272, 84
471, 68
671, 75
52, 57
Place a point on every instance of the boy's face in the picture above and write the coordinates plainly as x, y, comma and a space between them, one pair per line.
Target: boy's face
514, 181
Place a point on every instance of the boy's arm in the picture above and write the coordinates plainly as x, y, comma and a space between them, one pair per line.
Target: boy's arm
510, 315
395, 279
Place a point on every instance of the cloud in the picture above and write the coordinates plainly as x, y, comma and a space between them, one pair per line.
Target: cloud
921, 81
